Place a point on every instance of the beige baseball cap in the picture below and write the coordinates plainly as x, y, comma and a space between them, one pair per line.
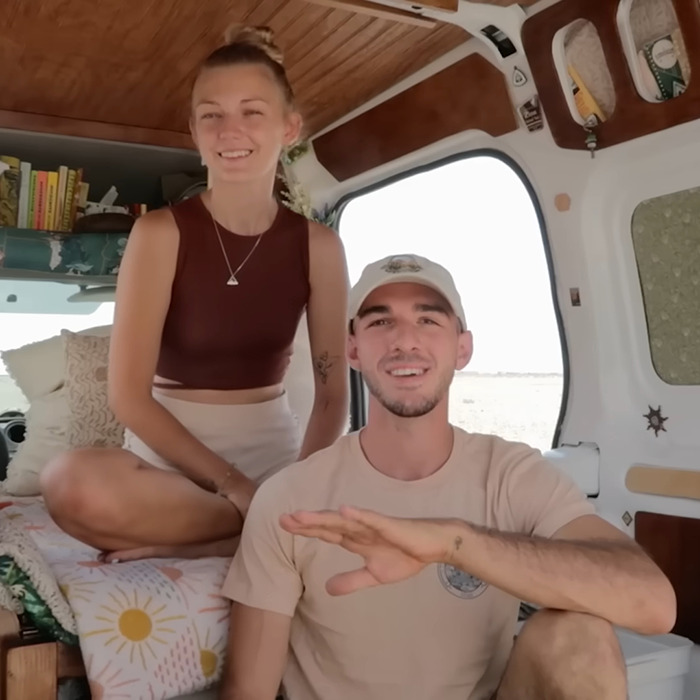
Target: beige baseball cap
406, 268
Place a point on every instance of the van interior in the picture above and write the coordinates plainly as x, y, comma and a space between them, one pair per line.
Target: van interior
544, 151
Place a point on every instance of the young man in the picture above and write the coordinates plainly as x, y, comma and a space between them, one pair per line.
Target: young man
479, 525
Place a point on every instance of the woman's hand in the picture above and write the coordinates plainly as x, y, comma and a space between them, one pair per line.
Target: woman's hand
241, 494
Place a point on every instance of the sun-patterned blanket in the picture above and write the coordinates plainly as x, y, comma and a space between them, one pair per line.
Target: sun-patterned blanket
148, 630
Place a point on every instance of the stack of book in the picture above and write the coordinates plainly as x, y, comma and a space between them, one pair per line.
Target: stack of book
48, 200
40, 199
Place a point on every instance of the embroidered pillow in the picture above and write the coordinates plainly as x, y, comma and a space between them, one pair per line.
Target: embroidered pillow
92, 423
38, 368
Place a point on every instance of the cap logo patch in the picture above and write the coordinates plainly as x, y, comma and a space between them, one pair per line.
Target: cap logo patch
402, 263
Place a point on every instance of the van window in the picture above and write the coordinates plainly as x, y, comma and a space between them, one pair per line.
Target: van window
476, 217
34, 310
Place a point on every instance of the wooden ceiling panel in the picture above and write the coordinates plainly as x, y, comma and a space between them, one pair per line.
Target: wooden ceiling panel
373, 9
506, 3
131, 63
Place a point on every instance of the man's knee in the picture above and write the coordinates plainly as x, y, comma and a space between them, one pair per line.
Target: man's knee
560, 634
75, 485
576, 649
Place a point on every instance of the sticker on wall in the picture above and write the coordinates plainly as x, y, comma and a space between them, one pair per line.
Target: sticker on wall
656, 420
575, 296
562, 202
519, 78
531, 112
626, 518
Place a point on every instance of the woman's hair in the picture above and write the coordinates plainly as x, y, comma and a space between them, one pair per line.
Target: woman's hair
251, 45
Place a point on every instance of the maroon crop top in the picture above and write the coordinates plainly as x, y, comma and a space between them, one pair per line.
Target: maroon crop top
234, 337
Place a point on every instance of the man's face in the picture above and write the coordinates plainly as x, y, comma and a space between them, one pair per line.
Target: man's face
407, 344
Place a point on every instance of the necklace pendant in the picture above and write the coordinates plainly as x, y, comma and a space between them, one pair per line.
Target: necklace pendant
232, 282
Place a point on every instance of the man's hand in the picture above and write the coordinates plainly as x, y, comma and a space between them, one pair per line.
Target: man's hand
394, 549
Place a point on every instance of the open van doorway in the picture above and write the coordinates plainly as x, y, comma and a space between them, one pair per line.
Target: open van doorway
476, 216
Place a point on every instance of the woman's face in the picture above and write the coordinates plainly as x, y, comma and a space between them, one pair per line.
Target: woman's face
240, 121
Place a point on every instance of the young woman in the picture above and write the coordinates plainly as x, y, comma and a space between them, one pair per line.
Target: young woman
209, 297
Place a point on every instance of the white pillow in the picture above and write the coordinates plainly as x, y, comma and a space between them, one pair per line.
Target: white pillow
39, 371
38, 368
46, 436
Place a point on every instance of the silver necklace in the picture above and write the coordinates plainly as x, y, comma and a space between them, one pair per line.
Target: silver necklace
233, 280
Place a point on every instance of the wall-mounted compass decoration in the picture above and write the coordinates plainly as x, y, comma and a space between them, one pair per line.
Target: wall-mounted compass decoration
656, 420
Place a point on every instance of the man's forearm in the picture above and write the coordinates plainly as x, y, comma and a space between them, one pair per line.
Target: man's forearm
607, 578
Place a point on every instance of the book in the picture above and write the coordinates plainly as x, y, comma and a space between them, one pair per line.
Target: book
77, 187
25, 185
32, 200
60, 197
51, 200
66, 221
42, 183
585, 102
9, 190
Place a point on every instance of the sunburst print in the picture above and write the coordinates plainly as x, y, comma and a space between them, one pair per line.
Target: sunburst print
223, 606
109, 682
134, 626
76, 588
209, 654
191, 578
182, 582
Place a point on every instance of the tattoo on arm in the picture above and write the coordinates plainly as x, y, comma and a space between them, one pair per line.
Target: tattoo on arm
458, 542
323, 365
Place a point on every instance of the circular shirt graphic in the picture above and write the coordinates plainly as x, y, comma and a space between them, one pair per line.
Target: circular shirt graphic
459, 582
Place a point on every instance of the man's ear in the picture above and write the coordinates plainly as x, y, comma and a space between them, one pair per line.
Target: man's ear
465, 349
353, 359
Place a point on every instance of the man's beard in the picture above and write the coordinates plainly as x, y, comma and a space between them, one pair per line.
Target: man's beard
409, 409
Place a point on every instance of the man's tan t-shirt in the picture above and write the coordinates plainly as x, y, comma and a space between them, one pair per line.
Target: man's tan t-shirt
441, 635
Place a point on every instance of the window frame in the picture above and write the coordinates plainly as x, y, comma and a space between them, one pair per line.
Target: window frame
358, 394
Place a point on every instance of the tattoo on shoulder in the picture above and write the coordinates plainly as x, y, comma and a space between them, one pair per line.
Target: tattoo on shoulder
323, 365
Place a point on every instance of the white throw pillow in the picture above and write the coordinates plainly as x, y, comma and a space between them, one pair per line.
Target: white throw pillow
46, 436
39, 371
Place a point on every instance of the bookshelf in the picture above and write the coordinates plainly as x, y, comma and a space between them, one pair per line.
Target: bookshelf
136, 170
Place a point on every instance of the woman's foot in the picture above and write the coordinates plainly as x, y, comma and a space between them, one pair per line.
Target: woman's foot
219, 548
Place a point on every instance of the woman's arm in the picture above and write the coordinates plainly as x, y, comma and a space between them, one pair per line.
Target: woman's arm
327, 323
143, 297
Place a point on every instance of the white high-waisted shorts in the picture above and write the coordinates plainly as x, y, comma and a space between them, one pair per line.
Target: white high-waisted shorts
260, 439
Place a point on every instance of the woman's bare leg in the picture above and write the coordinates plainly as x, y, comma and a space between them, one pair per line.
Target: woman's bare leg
112, 500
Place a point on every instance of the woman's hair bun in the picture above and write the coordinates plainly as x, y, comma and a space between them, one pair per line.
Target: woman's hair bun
262, 38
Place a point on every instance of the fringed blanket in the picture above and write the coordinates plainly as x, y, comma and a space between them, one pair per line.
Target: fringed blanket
148, 630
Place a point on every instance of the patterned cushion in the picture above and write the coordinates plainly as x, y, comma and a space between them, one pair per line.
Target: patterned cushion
38, 368
92, 423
